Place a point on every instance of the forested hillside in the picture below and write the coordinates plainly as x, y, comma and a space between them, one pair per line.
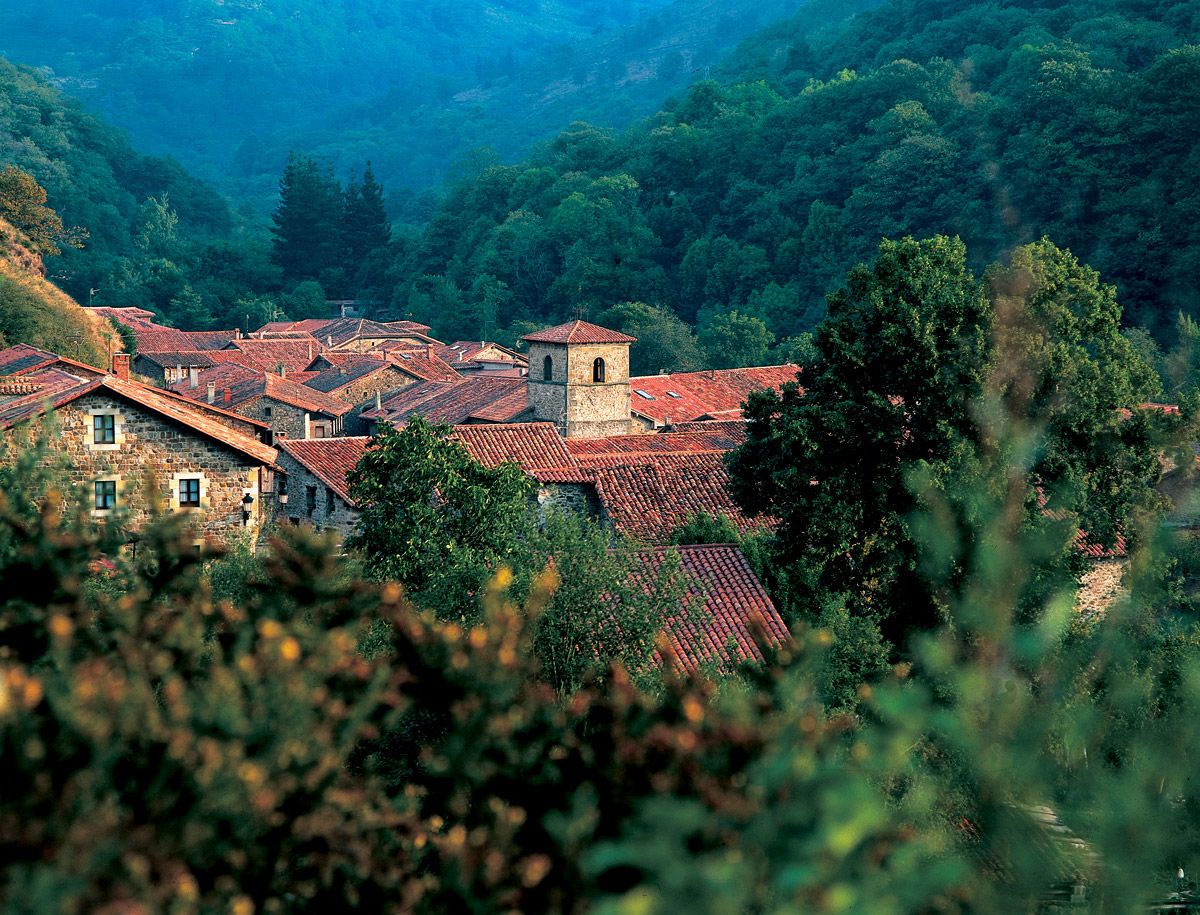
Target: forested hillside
998, 121
150, 233
231, 87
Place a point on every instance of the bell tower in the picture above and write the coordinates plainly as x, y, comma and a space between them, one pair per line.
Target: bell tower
579, 379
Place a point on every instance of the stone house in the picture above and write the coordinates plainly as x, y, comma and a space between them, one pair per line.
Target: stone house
312, 488
482, 356
290, 409
359, 381
130, 445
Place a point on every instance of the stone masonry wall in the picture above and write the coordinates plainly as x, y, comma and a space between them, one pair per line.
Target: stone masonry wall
598, 410
362, 394
150, 456
581, 407
343, 518
569, 498
286, 420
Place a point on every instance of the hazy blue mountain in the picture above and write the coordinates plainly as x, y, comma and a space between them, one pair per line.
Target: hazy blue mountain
229, 86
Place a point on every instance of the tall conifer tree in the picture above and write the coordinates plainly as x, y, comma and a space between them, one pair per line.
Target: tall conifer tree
307, 220
365, 226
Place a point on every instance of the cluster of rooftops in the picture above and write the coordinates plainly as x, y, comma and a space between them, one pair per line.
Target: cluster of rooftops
348, 375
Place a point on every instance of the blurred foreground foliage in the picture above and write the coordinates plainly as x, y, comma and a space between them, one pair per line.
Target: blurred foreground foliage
184, 733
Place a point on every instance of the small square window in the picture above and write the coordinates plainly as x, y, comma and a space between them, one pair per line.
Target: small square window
104, 429
310, 500
189, 493
106, 495
267, 412
328, 501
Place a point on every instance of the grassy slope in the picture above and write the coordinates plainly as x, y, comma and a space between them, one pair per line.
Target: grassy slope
34, 311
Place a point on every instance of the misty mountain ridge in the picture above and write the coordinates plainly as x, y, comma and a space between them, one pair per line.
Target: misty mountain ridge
230, 87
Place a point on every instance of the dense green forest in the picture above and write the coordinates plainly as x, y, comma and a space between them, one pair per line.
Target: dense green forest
998, 121
230, 88
728, 216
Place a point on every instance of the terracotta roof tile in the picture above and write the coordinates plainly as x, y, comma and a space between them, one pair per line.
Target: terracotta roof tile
23, 358
211, 339
347, 372
534, 446
187, 359
648, 497
719, 439
422, 365
724, 604
508, 408
245, 385
734, 428
687, 396
196, 417
452, 403
294, 353
474, 355
329, 459
578, 332
335, 332
38, 392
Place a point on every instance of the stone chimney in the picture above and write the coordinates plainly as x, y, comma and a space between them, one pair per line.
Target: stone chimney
428, 350
193, 376
120, 365
228, 397
212, 392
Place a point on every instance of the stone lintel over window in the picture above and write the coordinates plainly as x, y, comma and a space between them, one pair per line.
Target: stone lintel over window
105, 430
189, 491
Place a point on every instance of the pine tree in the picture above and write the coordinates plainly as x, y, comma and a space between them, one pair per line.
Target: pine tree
365, 226
307, 221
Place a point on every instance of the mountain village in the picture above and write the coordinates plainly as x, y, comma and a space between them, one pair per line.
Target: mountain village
243, 432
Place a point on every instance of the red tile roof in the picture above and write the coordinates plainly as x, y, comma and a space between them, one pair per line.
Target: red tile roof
422, 365
155, 338
248, 385
211, 339
23, 358
578, 332
292, 353
347, 371
687, 396
534, 446
470, 355
508, 408
720, 439
453, 403
338, 331
187, 359
223, 375
724, 605
734, 428
307, 326
329, 459
37, 392
196, 417
649, 497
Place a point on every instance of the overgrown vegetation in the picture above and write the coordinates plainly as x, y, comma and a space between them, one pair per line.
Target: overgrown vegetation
168, 750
